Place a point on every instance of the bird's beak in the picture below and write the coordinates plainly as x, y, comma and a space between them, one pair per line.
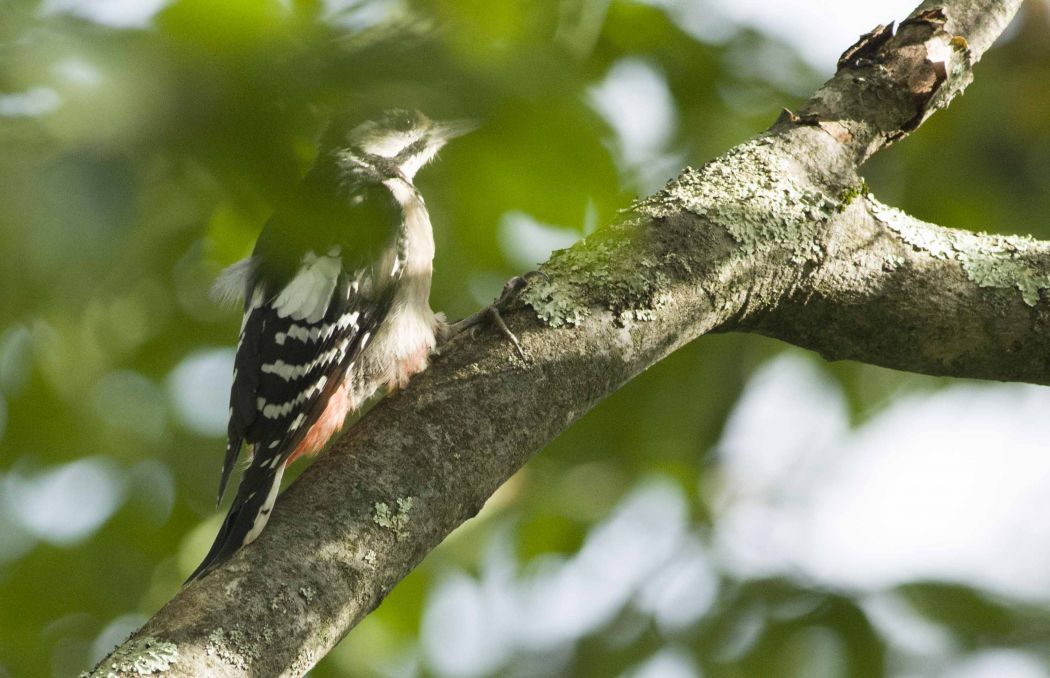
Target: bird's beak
451, 129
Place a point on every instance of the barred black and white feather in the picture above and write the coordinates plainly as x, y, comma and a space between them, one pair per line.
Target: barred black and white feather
336, 306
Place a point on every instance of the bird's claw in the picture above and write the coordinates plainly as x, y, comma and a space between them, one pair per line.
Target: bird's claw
493, 313
515, 286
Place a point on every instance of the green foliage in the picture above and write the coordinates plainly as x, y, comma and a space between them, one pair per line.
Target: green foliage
139, 160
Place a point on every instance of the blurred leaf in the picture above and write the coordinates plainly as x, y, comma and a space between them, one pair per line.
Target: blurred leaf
978, 619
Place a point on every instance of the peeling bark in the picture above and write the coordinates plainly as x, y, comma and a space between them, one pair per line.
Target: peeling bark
777, 236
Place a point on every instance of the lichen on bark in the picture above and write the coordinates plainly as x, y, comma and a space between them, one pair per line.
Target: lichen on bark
754, 192
145, 656
997, 261
611, 271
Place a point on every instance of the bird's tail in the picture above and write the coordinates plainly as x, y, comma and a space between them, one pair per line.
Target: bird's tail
247, 516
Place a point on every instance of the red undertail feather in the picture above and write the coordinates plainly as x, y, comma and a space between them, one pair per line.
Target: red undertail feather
326, 426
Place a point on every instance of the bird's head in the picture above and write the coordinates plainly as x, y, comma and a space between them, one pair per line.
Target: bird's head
396, 144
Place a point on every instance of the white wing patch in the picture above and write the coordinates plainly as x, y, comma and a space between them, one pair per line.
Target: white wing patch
306, 297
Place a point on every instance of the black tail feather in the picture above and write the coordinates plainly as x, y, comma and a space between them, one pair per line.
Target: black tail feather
247, 516
233, 448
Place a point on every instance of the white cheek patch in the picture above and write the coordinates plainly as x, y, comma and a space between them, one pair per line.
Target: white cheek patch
390, 144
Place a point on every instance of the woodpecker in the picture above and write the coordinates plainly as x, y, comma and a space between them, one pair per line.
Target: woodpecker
336, 306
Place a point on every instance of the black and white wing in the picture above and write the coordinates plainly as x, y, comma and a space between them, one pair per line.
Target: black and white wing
295, 349
306, 321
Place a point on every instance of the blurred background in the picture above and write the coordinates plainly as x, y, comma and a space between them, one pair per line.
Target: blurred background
742, 509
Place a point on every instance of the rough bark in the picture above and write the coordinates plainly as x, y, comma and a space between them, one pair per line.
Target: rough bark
777, 236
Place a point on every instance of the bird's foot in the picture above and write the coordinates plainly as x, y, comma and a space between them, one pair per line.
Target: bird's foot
494, 313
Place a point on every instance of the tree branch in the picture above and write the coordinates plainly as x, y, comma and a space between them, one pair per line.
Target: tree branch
777, 236
898, 292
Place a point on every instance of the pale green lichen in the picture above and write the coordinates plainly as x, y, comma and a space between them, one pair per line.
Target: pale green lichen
308, 593
1004, 266
553, 304
141, 657
232, 647
937, 242
1005, 262
605, 271
893, 262
397, 522
304, 661
370, 558
753, 193
636, 314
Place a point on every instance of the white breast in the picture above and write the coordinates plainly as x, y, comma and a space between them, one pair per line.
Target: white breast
407, 335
